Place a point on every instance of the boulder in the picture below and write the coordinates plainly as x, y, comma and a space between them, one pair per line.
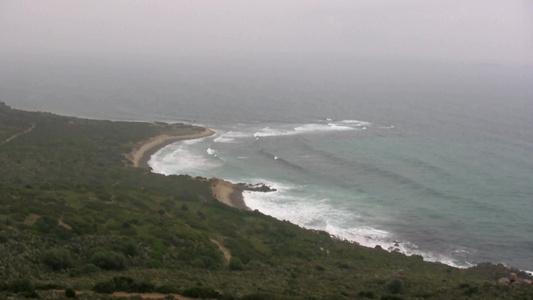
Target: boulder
504, 280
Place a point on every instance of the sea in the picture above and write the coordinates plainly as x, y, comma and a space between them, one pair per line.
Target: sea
426, 158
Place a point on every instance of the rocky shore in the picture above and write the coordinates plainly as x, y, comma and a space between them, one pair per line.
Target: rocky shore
232, 193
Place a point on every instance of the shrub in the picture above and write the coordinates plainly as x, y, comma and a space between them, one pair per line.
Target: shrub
3, 237
258, 296
367, 294
48, 286
200, 292
109, 260
144, 287
57, 259
205, 262
130, 248
167, 289
21, 286
70, 293
125, 284
104, 287
392, 297
235, 264
395, 286
45, 224
89, 268
3, 286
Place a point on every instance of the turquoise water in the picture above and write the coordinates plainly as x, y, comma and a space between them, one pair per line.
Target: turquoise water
421, 158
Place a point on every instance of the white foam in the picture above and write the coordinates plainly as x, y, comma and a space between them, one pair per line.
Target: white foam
268, 132
303, 129
321, 127
230, 137
180, 159
318, 214
211, 151
356, 123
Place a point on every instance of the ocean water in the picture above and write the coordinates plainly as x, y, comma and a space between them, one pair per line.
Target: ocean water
422, 158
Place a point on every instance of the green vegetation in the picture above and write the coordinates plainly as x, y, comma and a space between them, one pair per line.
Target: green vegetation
75, 216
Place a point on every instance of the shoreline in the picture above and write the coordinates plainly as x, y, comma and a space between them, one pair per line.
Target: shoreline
228, 193
141, 155
224, 191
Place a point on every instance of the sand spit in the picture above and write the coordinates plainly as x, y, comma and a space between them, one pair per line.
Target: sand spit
141, 155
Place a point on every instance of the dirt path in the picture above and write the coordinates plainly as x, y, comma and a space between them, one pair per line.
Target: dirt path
126, 295
17, 135
227, 255
147, 295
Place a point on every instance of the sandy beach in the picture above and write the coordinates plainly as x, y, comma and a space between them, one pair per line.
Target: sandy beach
141, 155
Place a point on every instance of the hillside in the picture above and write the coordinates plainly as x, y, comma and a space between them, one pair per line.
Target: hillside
75, 214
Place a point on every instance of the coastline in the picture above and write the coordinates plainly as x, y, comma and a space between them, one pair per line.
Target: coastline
224, 191
228, 193
141, 155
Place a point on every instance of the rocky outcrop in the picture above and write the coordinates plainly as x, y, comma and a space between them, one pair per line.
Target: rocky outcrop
513, 279
231, 193
259, 187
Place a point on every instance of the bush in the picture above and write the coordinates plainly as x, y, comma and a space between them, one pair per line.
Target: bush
395, 286
392, 297
21, 286
48, 286
105, 287
57, 259
205, 262
3, 237
125, 284
258, 296
144, 287
367, 294
89, 268
200, 292
167, 289
70, 293
45, 224
109, 260
130, 248
235, 264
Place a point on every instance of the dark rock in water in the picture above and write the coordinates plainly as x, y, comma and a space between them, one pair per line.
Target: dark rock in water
394, 249
260, 187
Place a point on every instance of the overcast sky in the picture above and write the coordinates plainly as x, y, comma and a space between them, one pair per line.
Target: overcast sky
481, 31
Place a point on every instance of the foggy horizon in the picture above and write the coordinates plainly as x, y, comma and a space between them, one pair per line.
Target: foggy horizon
486, 32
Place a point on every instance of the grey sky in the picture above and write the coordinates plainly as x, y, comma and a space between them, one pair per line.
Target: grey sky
486, 31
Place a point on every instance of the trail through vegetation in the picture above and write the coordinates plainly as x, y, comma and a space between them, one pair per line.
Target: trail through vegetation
17, 135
